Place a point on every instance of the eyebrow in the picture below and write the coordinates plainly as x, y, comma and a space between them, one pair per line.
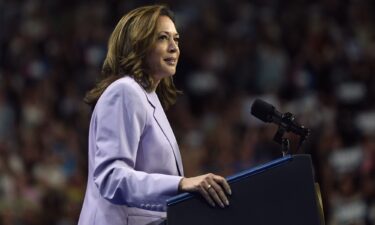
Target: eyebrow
169, 33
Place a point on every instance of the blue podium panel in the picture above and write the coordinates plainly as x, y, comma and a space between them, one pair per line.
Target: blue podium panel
280, 192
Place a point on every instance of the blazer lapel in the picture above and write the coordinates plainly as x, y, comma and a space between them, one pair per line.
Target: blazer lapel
164, 125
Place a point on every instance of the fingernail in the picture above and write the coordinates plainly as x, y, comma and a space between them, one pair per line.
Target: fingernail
213, 204
222, 205
227, 202
230, 191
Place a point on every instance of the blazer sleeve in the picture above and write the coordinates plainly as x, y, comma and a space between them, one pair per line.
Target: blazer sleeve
120, 121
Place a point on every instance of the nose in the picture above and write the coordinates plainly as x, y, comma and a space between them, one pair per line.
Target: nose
173, 46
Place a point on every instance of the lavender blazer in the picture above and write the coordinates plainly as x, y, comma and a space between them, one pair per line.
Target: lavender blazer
134, 159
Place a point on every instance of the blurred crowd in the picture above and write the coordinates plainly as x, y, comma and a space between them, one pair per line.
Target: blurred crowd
315, 59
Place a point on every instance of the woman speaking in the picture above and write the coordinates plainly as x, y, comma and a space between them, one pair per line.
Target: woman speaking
134, 160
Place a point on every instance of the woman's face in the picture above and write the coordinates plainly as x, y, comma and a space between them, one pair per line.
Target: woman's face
163, 57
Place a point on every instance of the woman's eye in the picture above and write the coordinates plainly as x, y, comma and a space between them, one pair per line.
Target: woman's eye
163, 37
176, 39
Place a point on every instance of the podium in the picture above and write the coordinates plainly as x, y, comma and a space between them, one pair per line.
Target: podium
281, 192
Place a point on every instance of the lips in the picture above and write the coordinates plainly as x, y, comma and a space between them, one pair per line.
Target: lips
171, 61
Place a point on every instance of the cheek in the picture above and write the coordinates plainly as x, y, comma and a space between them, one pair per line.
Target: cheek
152, 60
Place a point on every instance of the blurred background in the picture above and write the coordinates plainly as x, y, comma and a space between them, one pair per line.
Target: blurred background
315, 59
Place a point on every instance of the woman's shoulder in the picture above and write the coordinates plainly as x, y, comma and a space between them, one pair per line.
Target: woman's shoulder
124, 94
125, 87
125, 83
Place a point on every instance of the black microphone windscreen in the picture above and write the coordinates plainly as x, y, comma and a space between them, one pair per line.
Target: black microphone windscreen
262, 110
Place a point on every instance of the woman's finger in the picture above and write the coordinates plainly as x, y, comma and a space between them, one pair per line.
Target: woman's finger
223, 183
206, 196
220, 193
211, 189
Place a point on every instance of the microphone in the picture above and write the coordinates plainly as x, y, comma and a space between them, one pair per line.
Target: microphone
268, 113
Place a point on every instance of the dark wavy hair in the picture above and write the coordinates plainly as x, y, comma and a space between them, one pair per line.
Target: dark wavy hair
128, 45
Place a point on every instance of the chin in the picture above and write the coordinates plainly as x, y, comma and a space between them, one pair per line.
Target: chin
170, 73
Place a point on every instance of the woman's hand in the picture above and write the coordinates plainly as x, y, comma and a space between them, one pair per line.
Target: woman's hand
210, 186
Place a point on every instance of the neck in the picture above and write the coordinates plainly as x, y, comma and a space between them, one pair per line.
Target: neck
156, 82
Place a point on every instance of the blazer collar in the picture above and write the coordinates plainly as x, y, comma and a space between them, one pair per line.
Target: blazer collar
164, 125
152, 98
